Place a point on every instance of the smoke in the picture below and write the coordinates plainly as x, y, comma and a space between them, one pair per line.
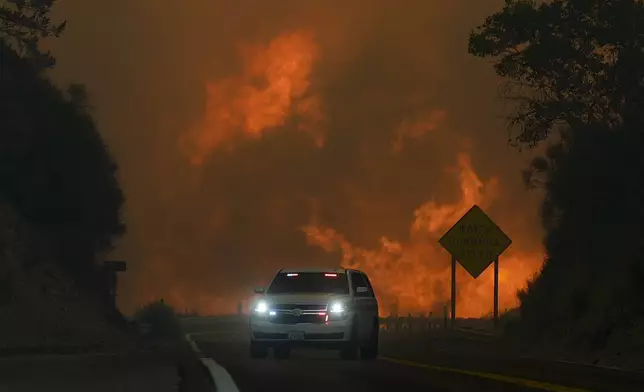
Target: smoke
257, 135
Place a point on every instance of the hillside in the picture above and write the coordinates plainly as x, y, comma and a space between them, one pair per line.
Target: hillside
40, 308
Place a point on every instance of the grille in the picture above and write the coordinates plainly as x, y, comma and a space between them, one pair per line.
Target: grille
321, 307
288, 318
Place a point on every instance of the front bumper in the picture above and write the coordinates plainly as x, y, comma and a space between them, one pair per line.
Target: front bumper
334, 334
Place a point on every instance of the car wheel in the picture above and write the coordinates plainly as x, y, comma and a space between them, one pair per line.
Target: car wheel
282, 352
351, 350
258, 350
370, 350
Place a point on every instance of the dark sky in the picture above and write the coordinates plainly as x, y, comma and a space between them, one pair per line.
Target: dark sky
241, 126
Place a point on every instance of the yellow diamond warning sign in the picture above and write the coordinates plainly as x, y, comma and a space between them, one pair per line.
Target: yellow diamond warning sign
475, 241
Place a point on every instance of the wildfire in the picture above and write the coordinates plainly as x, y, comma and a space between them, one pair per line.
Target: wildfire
273, 87
416, 274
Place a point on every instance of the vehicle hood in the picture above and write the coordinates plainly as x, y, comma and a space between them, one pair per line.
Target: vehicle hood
303, 299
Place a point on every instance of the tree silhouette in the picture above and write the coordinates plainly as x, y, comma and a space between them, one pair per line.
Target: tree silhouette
55, 168
23, 23
576, 68
572, 63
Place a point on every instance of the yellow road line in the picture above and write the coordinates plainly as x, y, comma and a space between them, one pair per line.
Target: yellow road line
492, 376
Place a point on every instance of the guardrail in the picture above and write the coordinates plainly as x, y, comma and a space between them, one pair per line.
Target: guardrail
413, 324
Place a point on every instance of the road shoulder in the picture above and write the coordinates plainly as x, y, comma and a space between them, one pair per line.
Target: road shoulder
169, 367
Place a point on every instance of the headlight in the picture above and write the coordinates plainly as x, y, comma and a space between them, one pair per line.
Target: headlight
261, 307
336, 307
338, 310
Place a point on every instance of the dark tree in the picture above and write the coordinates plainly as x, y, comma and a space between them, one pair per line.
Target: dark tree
23, 23
568, 62
55, 168
576, 68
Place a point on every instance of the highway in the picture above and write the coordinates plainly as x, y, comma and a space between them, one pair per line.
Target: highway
428, 362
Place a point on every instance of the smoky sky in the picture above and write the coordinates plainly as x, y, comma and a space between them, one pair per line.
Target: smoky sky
203, 236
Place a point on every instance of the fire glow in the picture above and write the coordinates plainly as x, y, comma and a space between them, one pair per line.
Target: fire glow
415, 274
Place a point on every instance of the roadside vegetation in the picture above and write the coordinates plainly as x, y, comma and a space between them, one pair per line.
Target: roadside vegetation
158, 321
574, 71
59, 195
55, 169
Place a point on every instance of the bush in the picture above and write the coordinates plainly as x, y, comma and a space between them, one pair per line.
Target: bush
159, 321
510, 320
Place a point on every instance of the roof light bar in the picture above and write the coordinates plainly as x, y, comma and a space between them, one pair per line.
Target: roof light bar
331, 275
292, 274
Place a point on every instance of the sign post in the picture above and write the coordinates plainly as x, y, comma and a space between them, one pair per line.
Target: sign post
496, 292
475, 241
453, 300
110, 269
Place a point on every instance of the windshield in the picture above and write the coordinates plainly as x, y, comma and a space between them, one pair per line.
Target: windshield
309, 282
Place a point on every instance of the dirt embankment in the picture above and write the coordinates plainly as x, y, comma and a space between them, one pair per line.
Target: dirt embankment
623, 349
40, 308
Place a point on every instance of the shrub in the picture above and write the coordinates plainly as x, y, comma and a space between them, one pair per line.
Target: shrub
159, 321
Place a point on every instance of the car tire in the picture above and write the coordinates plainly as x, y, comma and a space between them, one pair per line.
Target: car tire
258, 350
350, 351
370, 350
282, 352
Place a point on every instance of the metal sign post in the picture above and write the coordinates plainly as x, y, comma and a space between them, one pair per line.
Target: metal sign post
496, 292
453, 300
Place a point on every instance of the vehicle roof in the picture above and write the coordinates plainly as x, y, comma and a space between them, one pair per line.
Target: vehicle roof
338, 270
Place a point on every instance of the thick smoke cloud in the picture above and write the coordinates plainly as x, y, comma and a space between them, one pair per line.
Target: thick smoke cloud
238, 124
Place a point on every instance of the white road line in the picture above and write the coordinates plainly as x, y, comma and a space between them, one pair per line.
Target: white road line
222, 379
194, 347
192, 343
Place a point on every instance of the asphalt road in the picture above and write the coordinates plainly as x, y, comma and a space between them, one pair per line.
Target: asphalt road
125, 372
429, 363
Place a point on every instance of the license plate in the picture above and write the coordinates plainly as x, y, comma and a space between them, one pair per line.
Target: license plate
296, 335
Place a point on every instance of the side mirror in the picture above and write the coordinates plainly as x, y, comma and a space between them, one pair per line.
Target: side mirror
362, 290
259, 290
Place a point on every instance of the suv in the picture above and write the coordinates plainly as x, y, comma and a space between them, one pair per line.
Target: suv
321, 308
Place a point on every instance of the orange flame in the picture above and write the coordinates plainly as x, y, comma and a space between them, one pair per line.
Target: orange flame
416, 275
273, 86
